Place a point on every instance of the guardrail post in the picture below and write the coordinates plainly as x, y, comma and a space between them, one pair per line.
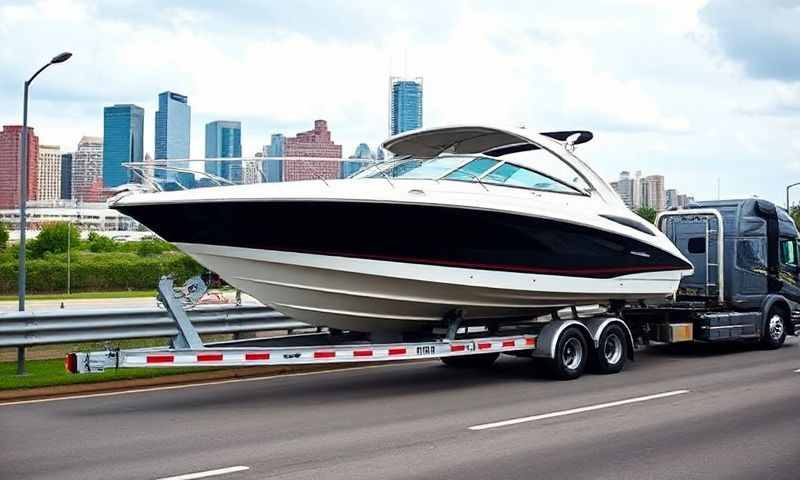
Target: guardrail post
21, 362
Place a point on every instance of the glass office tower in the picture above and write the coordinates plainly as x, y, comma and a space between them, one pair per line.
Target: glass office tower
123, 142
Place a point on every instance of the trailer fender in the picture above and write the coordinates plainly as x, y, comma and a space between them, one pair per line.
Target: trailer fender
548, 337
771, 301
599, 325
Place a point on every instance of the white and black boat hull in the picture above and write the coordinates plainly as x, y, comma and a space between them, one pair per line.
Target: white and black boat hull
373, 295
373, 266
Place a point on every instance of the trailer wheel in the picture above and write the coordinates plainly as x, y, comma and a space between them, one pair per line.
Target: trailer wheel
609, 357
480, 360
775, 332
571, 355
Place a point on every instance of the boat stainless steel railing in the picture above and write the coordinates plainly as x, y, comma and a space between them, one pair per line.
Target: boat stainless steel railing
183, 174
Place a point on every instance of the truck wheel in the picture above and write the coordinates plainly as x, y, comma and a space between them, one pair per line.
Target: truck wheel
571, 355
480, 360
775, 332
609, 357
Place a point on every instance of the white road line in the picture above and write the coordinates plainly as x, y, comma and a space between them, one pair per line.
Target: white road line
797, 371
191, 385
207, 473
572, 411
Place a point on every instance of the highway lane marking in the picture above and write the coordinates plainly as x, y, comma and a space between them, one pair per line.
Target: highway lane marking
207, 473
191, 385
572, 411
797, 371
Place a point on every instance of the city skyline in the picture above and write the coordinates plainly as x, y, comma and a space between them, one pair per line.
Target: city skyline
648, 191
543, 74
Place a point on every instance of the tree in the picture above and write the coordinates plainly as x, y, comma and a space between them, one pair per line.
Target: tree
794, 211
3, 236
647, 213
53, 239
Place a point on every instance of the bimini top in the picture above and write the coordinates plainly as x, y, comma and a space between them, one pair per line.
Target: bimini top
485, 140
474, 139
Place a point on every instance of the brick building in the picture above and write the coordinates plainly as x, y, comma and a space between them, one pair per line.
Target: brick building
10, 138
313, 143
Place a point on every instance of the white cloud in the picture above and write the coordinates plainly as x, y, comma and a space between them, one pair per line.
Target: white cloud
645, 75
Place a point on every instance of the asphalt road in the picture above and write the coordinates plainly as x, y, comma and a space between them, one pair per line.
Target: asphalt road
739, 419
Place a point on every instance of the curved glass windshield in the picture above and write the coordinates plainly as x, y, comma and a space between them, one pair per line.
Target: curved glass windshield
515, 176
469, 168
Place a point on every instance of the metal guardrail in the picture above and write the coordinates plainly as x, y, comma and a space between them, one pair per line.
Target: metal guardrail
30, 328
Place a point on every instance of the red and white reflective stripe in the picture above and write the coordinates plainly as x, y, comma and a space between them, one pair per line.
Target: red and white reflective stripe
209, 357
256, 356
160, 358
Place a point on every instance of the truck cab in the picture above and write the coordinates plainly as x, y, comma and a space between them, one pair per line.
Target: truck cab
746, 280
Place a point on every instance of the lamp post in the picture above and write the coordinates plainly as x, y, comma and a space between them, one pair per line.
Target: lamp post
23, 198
787, 194
69, 240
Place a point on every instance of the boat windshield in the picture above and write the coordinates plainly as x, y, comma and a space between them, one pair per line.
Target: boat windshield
469, 168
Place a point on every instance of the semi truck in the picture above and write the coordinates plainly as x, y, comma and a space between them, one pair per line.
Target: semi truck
745, 287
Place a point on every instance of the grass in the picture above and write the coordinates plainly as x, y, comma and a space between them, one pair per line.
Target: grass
45, 373
83, 295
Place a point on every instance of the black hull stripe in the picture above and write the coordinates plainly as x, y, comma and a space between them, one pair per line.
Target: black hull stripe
408, 233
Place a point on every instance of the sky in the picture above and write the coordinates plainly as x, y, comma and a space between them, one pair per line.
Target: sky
704, 92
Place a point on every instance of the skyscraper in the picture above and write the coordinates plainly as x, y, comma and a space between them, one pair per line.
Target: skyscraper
87, 169
66, 176
273, 169
173, 124
405, 104
123, 128
10, 139
672, 198
625, 187
653, 195
224, 140
48, 173
362, 153
313, 143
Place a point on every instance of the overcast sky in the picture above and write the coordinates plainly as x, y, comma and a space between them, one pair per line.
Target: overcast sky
694, 90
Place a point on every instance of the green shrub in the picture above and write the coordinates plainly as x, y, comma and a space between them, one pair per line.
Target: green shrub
98, 243
98, 272
3, 236
53, 238
152, 247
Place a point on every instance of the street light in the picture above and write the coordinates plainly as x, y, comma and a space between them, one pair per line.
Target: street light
23, 199
23, 179
787, 194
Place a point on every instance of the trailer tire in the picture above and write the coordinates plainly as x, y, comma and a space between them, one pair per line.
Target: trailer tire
774, 329
611, 351
480, 360
571, 355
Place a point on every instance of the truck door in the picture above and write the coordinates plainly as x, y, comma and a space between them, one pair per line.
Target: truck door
789, 269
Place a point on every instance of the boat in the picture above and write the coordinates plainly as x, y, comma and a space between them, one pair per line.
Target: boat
473, 222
